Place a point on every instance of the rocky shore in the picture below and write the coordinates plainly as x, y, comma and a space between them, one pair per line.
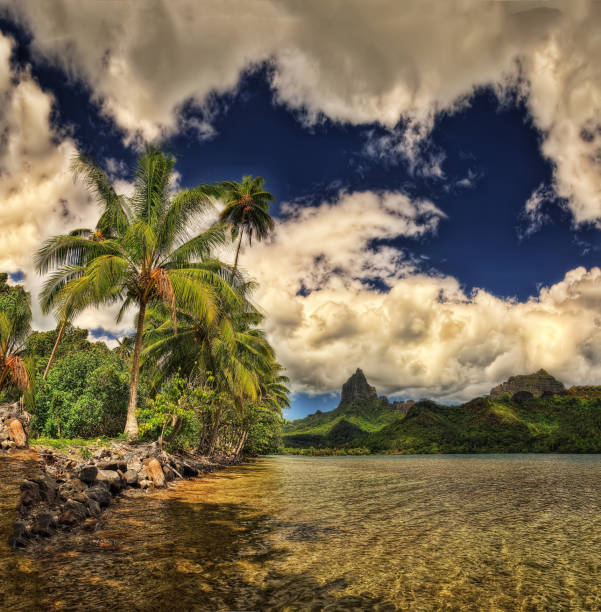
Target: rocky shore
71, 491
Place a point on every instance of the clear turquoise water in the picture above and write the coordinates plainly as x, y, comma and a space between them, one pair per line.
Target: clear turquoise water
485, 532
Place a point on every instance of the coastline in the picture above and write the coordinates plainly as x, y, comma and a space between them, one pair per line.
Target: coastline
69, 492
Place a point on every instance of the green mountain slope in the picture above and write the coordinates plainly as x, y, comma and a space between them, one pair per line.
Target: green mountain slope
360, 411
527, 413
560, 423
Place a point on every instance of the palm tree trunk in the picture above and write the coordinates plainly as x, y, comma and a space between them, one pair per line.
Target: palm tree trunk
216, 424
237, 254
61, 331
131, 425
241, 443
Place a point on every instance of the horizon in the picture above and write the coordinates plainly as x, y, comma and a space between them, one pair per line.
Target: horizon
441, 233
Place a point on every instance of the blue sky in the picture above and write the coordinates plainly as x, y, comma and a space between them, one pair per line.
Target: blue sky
478, 161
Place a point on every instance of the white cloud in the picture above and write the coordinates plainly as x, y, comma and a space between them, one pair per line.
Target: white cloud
38, 195
373, 62
423, 337
533, 215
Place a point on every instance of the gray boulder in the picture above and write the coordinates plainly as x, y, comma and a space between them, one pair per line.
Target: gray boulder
100, 494
88, 474
111, 478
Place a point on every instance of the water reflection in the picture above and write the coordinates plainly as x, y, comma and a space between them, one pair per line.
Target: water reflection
370, 533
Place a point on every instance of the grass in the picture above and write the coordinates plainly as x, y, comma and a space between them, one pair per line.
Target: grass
62, 443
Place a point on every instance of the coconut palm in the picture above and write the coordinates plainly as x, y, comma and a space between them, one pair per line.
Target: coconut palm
235, 352
113, 219
273, 398
15, 325
152, 257
246, 210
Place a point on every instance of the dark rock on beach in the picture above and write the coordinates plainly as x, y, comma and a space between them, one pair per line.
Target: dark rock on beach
69, 494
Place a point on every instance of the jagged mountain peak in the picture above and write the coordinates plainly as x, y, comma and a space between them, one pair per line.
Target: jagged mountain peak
357, 388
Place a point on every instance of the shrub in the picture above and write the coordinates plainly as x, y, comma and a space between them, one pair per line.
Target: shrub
85, 395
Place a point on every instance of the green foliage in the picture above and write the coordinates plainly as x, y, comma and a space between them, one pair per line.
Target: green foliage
176, 413
85, 395
264, 433
341, 426
40, 344
81, 443
553, 424
15, 326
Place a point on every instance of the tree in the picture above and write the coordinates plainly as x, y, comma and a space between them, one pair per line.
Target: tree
113, 220
151, 258
240, 363
246, 210
84, 395
15, 326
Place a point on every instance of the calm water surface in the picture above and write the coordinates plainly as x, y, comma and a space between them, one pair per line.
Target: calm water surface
504, 532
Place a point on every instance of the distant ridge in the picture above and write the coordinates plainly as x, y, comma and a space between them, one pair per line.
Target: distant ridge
526, 413
360, 411
539, 384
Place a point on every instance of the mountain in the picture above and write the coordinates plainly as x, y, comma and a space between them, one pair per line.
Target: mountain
558, 423
539, 384
360, 411
527, 413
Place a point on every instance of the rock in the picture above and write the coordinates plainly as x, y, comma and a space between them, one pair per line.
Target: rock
112, 465
111, 478
93, 506
131, 478
74, 512
155, 472
169, 473
20, 535
48, 488
4, 436
100, 494
16, 432
403, 407
43, 524
30, 493
88, 474
72, 489
134, 464
522, 396
538, 384
357, 388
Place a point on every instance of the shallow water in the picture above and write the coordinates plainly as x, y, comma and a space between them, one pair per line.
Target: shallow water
485, 532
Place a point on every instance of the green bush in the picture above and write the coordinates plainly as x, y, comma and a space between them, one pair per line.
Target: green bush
85, 395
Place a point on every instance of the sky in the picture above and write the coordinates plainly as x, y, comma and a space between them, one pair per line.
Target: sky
436, 168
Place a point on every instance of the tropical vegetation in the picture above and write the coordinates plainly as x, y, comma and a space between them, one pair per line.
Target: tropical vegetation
197, 372
558, 423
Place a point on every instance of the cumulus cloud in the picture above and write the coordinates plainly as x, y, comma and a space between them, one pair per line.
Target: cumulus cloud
37, 191
39, 197
423, 335
379, 61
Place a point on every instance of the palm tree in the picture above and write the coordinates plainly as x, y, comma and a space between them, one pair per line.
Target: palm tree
151, 258
232, 350
273, 397
15, 325
246, 210
112, 220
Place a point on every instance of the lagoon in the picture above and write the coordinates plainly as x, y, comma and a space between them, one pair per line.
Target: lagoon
436, 532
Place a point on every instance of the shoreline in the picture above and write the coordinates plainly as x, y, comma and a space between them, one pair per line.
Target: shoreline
71, 493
